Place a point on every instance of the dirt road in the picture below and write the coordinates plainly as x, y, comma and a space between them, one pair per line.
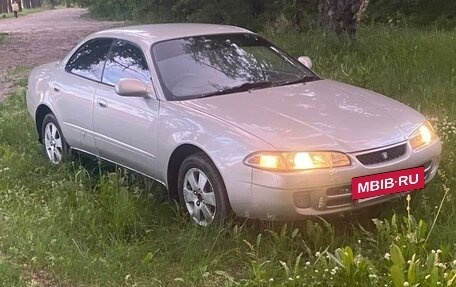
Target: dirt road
40, 38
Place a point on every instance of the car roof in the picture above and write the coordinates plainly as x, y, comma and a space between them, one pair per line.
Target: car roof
153, 33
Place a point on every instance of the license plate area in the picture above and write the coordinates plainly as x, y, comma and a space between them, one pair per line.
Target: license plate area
369, 187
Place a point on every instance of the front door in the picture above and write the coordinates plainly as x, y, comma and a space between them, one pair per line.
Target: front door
125, 128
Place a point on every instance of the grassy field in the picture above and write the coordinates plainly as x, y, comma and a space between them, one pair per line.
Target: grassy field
86, 225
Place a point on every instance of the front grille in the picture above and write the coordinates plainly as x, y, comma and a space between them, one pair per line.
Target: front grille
382, 155
338, 196
427, 165
338, 201
338, 190
427, 169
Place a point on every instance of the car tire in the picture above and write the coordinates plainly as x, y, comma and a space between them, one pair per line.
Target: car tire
56, 148
202, 192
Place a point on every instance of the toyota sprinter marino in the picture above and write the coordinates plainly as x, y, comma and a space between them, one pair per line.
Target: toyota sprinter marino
225, 120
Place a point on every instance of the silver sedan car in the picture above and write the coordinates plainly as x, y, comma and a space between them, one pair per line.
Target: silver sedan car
225, 120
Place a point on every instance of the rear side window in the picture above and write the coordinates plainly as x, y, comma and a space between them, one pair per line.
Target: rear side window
89, 59
126, 60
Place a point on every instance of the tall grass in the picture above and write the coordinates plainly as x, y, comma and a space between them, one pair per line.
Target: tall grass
9, 274
86, 224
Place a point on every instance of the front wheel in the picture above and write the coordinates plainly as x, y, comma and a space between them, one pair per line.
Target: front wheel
202, 191
55, 146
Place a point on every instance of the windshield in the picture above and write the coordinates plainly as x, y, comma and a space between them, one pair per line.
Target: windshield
212, 65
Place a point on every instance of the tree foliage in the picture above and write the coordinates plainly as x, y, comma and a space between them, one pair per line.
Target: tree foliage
441, 13
251, 14
340, 16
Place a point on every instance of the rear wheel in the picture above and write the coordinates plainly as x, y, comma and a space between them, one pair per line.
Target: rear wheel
55, 146
202, 191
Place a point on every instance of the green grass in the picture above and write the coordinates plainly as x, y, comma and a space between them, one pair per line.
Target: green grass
10, 276
85, 225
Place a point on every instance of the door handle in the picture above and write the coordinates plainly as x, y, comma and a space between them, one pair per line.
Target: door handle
102, 103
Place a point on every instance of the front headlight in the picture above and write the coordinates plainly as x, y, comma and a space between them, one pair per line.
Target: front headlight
422, 136
288, 161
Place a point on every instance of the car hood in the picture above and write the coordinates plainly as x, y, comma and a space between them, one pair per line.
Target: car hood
318, 115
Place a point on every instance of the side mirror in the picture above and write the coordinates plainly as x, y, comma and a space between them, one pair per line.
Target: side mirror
306, 61
129, 87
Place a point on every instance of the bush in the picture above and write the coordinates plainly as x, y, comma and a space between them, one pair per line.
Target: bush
439, 13
252, 14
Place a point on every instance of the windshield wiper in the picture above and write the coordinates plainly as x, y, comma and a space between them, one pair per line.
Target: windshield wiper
241, 88
304, 79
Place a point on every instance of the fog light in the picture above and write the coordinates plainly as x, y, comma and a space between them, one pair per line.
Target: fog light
302, 199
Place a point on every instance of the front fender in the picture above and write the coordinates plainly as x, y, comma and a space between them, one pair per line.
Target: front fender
225, 144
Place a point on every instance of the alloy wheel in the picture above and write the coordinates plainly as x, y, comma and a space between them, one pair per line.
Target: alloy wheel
199, 197
53, 143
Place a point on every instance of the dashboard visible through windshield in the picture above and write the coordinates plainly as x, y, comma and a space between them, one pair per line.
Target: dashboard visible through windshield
212, 65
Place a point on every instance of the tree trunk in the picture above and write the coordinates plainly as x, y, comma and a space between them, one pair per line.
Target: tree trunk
52, 2
20, 5
10, 9
341, 16
3, 6
35, 3
26, 4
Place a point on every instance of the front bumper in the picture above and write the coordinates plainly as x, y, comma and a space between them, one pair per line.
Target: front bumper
294, 195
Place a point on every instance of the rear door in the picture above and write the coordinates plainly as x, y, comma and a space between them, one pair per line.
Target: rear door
126, 128
74, 90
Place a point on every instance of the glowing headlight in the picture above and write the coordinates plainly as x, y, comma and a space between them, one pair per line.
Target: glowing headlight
286, 161
422, 136
270, 161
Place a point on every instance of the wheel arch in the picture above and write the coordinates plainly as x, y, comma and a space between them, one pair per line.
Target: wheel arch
175, 161
40, 114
